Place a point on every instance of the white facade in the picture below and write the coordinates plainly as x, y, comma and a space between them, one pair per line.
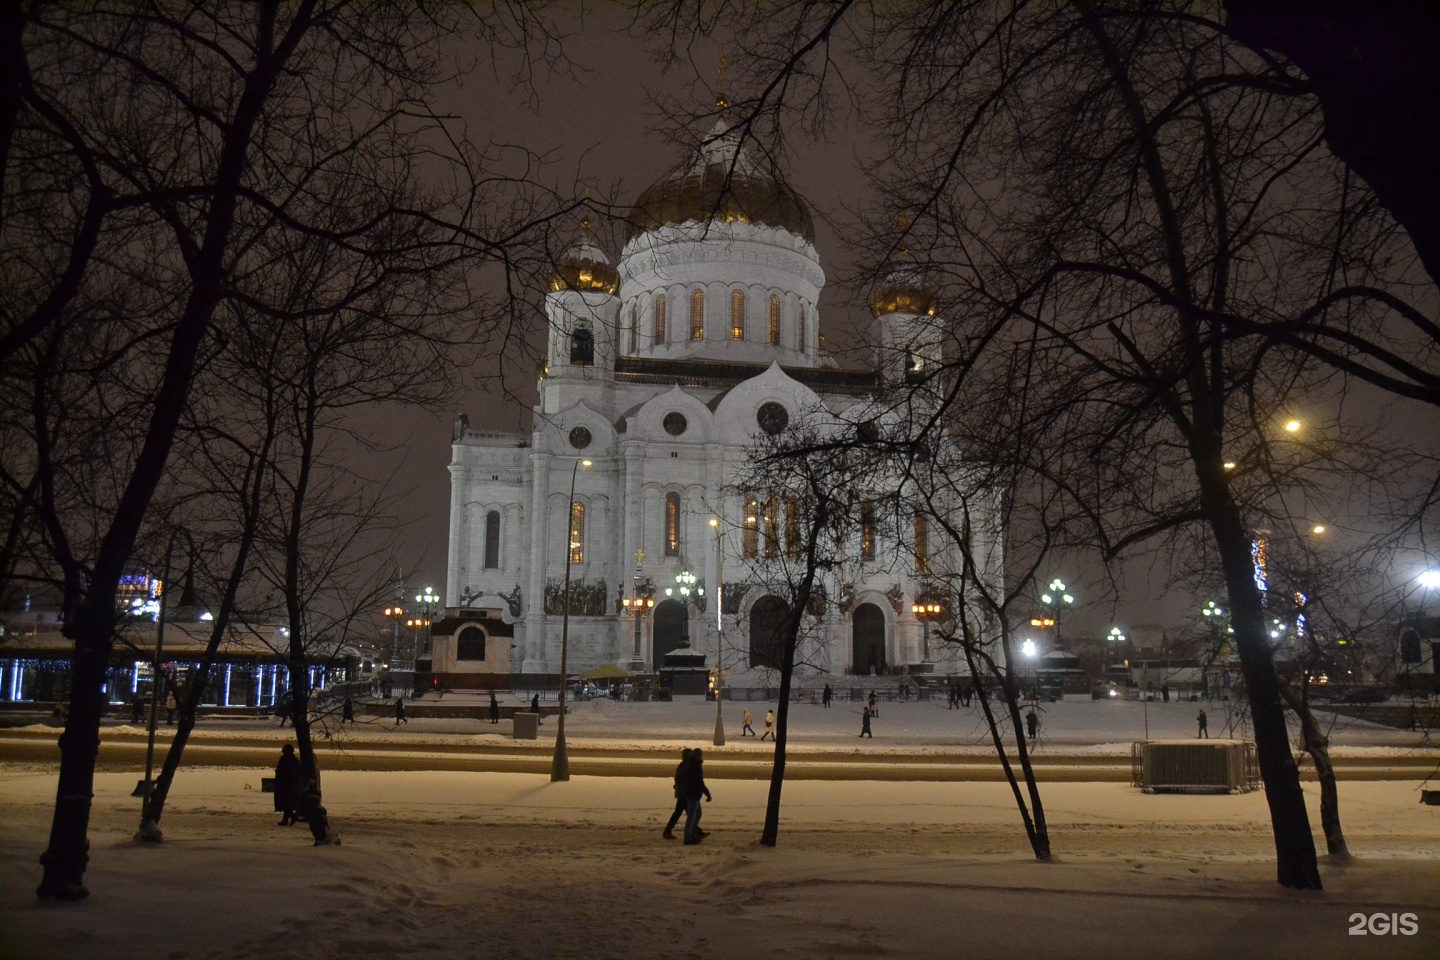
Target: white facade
661, 372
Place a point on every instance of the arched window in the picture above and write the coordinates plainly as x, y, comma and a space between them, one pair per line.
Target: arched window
922, 544
672, 524
634, 327
772, 526
577, 533
660, 319
792, 528
697, 315
867, 530
752, 525
470, 644
492, 540
774, 320
582, 344
802, 333
737, 315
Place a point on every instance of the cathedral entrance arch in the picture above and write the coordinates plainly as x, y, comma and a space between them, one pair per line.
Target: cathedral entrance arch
669, 628
767, 623
867, 640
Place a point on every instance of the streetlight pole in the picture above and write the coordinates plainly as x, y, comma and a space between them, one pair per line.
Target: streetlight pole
638, 606
719, 739
560, 763
1055, 600
926, 609
148, 830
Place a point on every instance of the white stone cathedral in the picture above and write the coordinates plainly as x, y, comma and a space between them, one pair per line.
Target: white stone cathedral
660, 374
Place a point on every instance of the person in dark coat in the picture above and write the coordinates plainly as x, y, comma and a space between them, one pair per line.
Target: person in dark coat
874, 704
494, 708
669, 832
1204, 723
827, 696
347, 711
535, 708
137, 709
1032, 725
170, 706
400, 711
287, 785
692, 784
865, 722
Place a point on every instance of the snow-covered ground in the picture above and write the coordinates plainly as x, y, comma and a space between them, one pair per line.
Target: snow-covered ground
479, 864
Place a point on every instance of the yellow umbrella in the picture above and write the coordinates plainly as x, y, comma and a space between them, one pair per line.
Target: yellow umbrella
608, 672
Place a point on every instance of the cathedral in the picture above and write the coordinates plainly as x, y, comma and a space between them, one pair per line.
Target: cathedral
662, 370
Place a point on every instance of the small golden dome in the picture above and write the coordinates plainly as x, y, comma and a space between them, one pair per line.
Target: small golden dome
720, 183
585, 268
903, 292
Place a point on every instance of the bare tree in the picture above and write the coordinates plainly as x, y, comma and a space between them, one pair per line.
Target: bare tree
149, 152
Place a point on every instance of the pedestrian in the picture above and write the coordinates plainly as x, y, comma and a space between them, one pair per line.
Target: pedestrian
494, 708
137, 709
287, 785
1032, 725
874, 704
535, 708
170, 706
769, 725
400, 710
1204, 725
1165, 692
692, 784
745, 729
827, 696
865, 722
669, 832
347, 711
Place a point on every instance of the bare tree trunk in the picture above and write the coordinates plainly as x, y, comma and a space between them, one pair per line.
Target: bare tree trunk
1317, 744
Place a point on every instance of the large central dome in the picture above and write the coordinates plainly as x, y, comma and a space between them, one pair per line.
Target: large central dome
721, 182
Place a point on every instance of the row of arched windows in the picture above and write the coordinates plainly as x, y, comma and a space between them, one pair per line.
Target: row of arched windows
738, 323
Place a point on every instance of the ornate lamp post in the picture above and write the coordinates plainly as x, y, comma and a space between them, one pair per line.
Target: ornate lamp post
1057, 599
927, 609
428, 602
395, 613
685, 586
719, 739
638, 606
560, 763
1114, 639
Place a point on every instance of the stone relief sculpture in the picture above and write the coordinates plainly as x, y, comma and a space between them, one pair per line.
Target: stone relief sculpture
586, 599
897, 599
512, 600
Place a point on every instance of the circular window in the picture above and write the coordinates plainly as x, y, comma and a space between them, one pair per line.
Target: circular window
579, 438
772, 418
674, 423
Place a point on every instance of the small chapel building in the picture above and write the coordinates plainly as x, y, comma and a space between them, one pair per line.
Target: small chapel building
661, 372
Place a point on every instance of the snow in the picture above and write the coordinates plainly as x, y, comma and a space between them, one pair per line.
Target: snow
460, 863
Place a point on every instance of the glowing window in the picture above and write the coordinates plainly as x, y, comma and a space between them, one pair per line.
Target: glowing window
922, 544
697, 315
737, 315
577, 533
660, 319
792, 528
867, 530
774, 320
752, 525
672, 524
772, 526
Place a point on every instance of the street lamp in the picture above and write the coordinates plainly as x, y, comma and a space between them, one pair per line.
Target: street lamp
560, 763
719, 739
428, 602
148, 829
685, 586
1115, 638
639, 606
1055, 600
395, 613
926, 609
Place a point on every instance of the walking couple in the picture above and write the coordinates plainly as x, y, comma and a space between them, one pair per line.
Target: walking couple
689, 788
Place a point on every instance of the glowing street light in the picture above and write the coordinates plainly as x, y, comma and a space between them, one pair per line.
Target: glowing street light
560, 763
1056, 599
1115, 638
1292, 426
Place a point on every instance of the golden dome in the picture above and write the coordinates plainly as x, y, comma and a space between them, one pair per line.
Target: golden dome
720, 183
585, 268
903, 292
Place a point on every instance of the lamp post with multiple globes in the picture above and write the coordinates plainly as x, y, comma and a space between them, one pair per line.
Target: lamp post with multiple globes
638, 606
